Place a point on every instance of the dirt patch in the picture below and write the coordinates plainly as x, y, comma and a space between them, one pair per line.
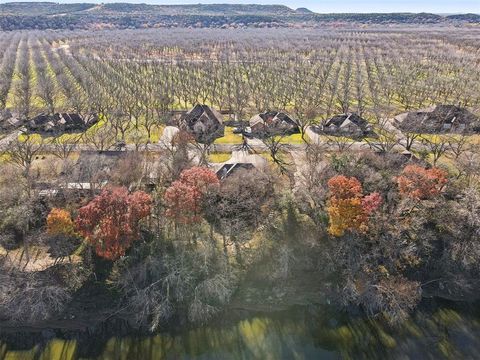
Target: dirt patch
39, 259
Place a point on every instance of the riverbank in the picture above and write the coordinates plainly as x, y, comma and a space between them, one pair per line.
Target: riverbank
300, 332
262, 320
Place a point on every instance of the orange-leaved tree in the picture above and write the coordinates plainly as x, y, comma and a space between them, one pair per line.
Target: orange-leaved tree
110, 222
59, 222
184, 197
418, 183
347, 208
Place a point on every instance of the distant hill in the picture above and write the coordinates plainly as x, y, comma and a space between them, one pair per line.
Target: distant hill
471, 18
303, 11
384, 18
41, 8
52, 8
196, 9
50, 15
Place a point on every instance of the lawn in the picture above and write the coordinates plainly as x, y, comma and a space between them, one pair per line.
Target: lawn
219, 157
229, 137
294, 139
4, 158
446, 163
475, 139
131, 137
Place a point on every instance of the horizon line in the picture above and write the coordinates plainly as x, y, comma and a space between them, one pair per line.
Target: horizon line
154, 3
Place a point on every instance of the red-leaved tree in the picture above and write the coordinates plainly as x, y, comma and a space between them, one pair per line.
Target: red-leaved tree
184, 197
110, 222
419, 183
371, 202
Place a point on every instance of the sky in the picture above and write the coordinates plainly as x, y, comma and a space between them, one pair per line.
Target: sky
331, 6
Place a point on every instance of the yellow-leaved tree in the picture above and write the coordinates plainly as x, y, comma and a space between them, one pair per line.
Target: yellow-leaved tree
59, 222
347, 208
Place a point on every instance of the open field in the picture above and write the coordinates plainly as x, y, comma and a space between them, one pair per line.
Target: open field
372, 72
133, 85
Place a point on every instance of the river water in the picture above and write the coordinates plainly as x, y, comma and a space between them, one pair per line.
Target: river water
302, 333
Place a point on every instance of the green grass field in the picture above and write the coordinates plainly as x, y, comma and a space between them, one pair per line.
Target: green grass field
219, 157
132, 135
229, 138
294, 139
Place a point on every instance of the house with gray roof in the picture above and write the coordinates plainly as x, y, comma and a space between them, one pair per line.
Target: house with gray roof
438, 119
60, 123
273, 123
349, 125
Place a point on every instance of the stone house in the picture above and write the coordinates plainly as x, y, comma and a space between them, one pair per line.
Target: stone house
349, 125
273, 123
204, 123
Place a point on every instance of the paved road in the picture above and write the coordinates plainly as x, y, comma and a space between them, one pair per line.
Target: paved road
255, 144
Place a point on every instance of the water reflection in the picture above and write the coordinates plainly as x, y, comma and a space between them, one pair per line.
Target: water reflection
443, 334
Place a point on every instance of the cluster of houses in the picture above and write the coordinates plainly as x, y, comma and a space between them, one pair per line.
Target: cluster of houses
206, 124
433, 120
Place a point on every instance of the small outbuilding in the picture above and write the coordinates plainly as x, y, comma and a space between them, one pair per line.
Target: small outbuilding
93, 168
438, 119
241, 159
91, 172
204, 123
229, 169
